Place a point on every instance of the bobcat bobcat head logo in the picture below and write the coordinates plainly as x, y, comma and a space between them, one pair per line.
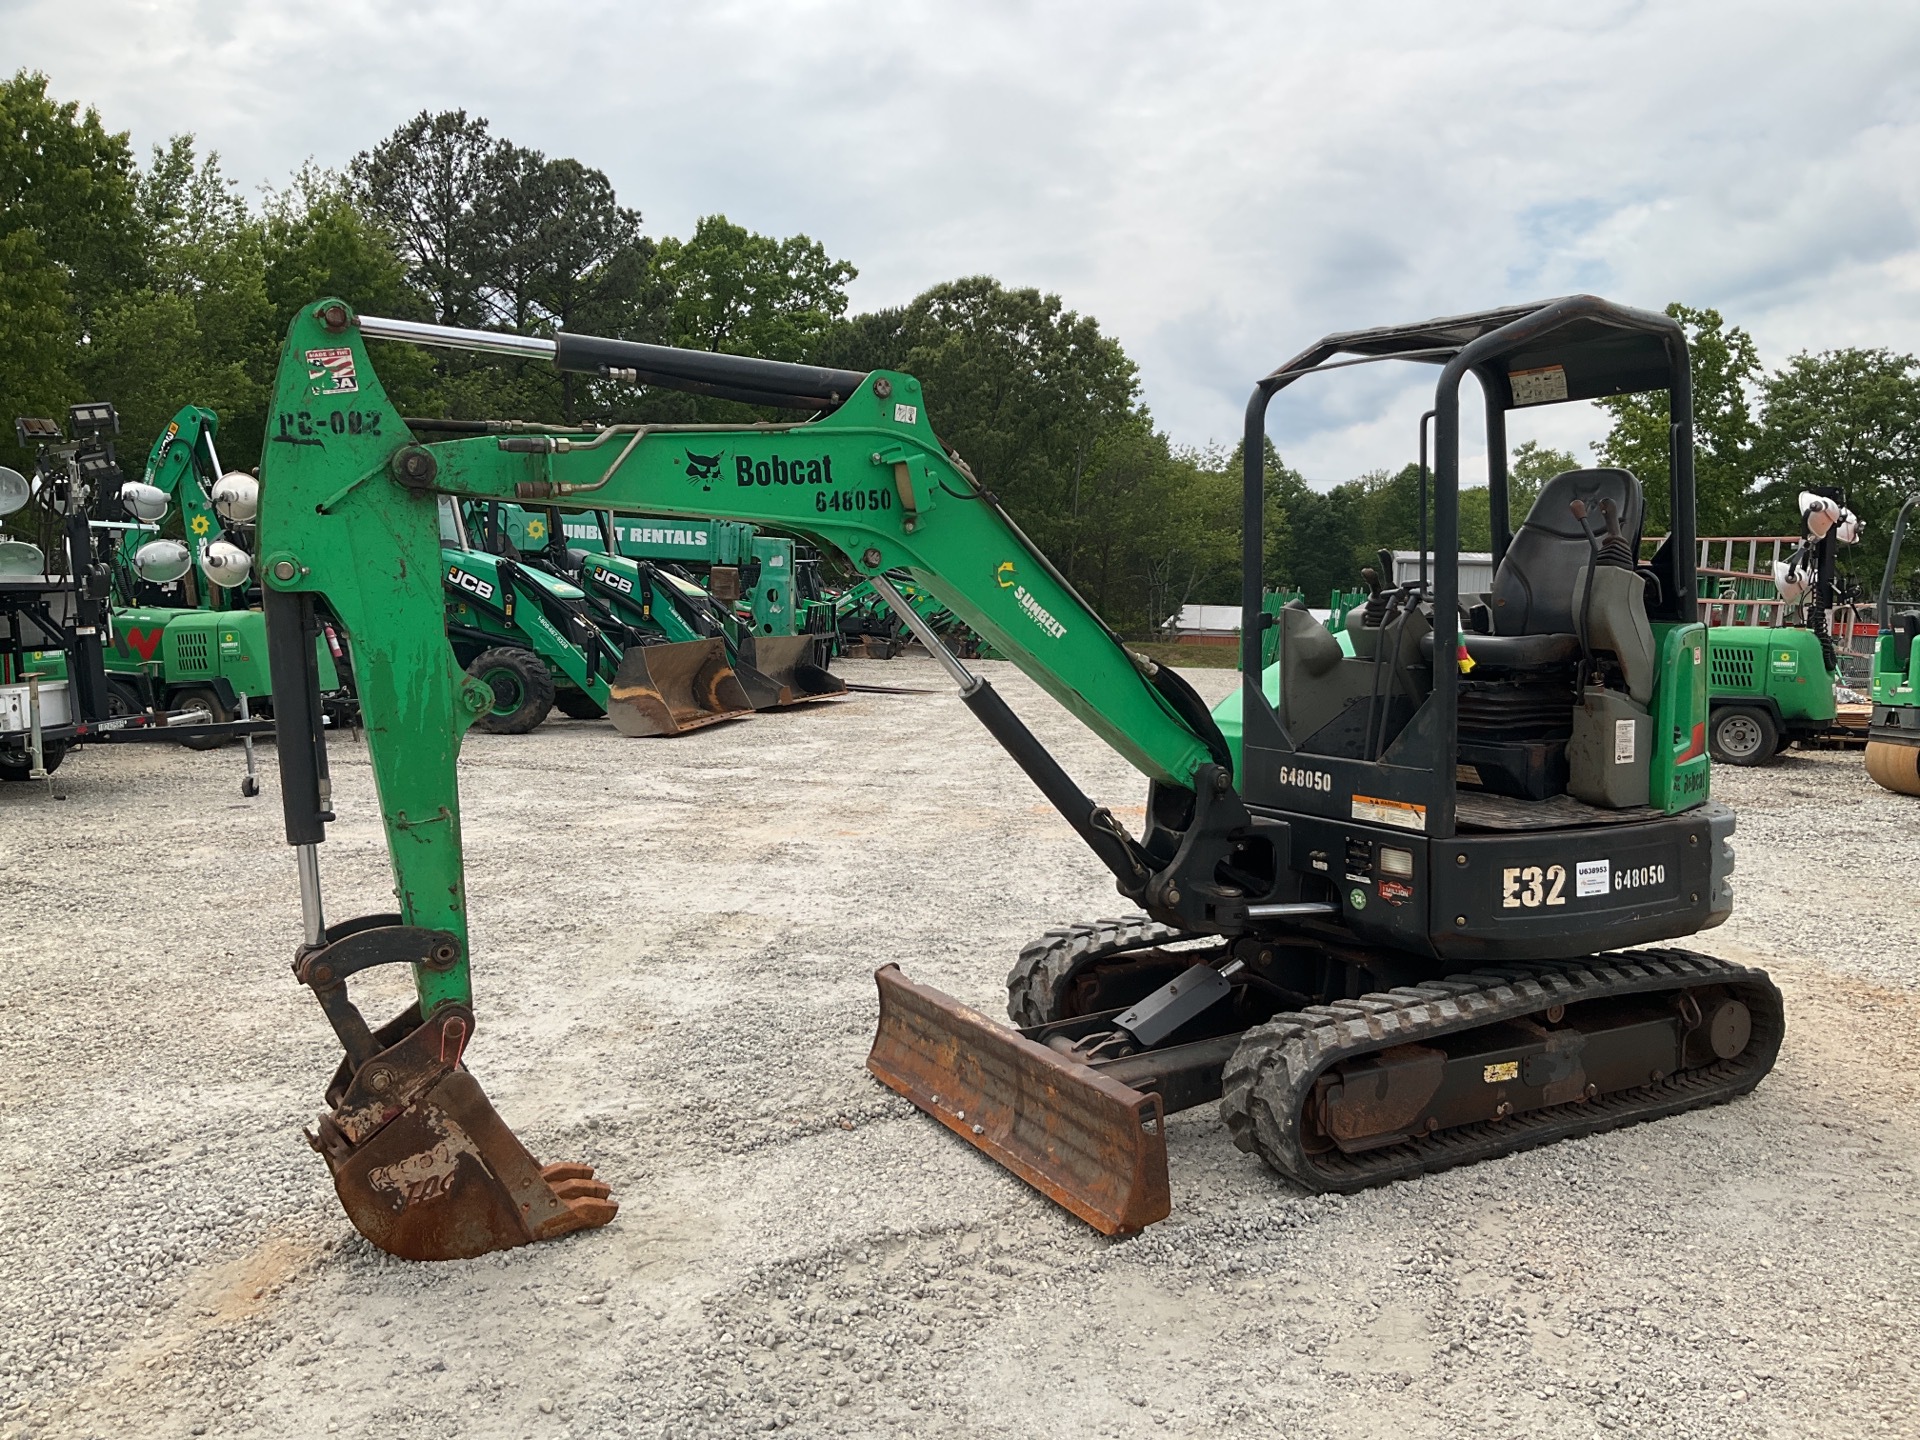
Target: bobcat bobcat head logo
704, 467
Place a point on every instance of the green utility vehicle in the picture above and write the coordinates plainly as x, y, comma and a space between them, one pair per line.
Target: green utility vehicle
1769, 686
1766, 687
1379, 931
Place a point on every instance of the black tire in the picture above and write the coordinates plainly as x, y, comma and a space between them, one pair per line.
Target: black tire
1742, 735
522, 690
197, 698
22, 769
249, 786
123, 699
578, 705
1781, 746
1084, 969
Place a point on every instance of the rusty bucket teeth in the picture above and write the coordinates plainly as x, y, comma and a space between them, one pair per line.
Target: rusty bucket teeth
1894, 767
427, 1170
781, 670
673, 688
1082, 1139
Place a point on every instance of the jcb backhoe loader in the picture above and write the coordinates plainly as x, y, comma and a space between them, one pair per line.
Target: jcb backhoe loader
1378, 916
535, 640
776, 671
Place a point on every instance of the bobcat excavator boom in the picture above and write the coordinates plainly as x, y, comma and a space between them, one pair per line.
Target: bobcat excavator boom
1267, 879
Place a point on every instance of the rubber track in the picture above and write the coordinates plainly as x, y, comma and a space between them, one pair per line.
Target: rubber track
1271, 1076
1046, 966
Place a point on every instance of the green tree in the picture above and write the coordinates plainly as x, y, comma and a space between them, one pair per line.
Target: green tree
201, 328
1848, 419
1023, 387
747, 294
71, 182
1726, 372
69, 243
427, 184
318, 242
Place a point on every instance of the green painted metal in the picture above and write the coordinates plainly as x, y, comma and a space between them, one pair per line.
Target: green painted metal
1784, 664
215, 638
1896, 670
183, 465
480, 597
1681, 771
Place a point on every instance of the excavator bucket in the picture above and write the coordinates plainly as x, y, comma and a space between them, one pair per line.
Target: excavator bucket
1894, 767
424, 1166
1082, 1139
781, 670
668, 689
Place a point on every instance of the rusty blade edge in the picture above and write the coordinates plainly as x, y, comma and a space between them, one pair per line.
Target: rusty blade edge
1130, 1130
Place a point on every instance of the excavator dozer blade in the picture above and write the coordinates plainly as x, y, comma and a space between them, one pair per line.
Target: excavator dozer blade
1081, 1138
1894, 767
425, 1167
668, 689
781, 670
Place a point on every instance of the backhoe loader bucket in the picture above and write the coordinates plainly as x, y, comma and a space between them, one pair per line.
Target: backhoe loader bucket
424, 1166
781, 670
667, 689
1082, 1139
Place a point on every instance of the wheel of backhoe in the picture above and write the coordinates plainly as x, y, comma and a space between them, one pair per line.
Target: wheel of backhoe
203, 697
1894, 767
1742, 735
1105, 965
578, 705
51, 756
523, 690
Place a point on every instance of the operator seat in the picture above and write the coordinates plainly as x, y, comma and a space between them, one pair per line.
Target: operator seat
1533, 588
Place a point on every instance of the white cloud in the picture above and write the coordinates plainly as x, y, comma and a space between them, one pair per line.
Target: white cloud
1219, 183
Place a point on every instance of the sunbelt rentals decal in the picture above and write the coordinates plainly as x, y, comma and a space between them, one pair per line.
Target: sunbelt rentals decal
1038, 613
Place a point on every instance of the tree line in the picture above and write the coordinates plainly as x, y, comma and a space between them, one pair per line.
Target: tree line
156, 283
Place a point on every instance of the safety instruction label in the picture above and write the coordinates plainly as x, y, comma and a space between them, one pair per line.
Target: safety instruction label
1539, 387
1623, 742
1592, 877
1402, 813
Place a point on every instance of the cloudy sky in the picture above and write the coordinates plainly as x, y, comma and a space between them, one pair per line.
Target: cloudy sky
1219, 184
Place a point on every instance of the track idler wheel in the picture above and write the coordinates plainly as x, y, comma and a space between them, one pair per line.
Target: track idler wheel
424, 1166
1894, 767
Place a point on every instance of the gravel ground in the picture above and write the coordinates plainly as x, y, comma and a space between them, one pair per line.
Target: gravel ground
674, 943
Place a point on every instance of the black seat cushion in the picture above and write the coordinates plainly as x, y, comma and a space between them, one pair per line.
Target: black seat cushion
1515, 652
1533, 588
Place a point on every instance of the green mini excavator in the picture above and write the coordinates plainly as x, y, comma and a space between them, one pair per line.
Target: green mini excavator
1382, 888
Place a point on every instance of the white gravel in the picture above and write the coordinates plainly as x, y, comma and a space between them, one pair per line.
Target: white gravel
674, 943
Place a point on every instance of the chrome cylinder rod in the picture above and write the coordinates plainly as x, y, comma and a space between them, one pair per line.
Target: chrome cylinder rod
312, 919
924, 633
454, 337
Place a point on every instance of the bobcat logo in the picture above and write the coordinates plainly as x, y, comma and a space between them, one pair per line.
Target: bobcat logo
704, 467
